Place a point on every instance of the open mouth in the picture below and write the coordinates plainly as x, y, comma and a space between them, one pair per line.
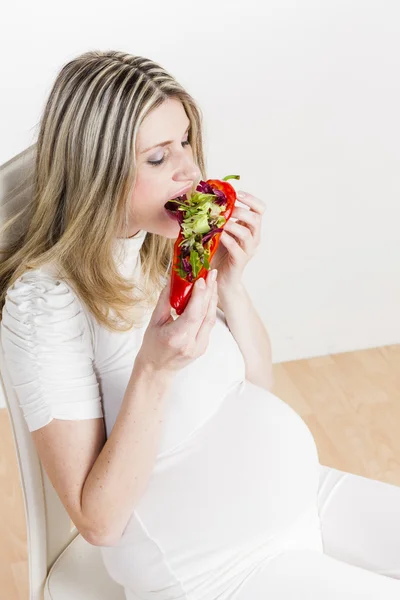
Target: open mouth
182, 198
172, 207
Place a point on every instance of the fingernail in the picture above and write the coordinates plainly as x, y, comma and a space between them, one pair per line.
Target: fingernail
201, 283
241, 194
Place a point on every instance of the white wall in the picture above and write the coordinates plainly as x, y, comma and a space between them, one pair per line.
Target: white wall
302, 100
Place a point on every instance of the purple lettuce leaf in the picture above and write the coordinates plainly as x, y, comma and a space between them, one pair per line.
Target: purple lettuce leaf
206, 188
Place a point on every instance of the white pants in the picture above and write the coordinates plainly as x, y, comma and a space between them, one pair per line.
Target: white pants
242, 509
360, 525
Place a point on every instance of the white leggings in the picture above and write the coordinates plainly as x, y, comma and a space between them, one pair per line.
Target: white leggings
360, 525
360, 521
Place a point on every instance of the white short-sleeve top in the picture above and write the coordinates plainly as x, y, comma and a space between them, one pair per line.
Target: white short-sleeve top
64, 365
236, 474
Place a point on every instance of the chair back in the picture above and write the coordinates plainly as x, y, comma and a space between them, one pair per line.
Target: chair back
49, 528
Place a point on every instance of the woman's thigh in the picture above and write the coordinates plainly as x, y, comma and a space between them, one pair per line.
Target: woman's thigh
298, 574
360, 521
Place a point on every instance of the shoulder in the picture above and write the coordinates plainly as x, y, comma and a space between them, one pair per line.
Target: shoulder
38, 303
48, 350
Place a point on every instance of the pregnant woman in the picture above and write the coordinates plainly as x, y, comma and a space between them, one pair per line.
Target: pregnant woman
159, 432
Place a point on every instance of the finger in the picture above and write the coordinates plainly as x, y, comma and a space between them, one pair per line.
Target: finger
162, 311
237, 239
256, 204
246, 217
209, 320
193, 315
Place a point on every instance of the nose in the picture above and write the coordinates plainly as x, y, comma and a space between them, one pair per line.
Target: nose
188, 171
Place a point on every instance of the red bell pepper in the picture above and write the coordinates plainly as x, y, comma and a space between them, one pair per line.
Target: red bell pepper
202, 218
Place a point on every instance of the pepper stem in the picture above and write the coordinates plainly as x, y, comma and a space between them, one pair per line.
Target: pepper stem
231, 177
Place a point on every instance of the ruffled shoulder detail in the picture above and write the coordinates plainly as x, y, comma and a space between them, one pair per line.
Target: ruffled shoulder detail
38, 298
48, 351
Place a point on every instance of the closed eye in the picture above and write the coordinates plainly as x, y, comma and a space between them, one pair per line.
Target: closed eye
156, 163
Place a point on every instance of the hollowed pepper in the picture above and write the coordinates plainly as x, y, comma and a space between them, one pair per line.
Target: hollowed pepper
202, 218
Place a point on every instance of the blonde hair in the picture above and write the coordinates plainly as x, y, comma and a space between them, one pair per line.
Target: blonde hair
84, 174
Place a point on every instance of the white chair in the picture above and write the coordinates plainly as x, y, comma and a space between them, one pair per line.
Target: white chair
62, 564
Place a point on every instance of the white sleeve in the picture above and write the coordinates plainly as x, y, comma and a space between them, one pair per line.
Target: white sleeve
48, 351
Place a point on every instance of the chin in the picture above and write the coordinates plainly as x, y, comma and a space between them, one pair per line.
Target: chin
172, 228
170, 233
173, 231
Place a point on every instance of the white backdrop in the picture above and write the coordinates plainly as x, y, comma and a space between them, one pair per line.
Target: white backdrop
301, 99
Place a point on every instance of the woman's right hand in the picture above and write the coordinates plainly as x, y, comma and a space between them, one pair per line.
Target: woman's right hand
169, 345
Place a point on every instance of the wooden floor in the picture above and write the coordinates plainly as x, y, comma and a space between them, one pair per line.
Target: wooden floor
350, 402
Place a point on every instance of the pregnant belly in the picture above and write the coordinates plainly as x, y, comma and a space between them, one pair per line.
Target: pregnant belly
251, 468
230, 492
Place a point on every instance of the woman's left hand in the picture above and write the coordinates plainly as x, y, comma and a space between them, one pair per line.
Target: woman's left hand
238, 242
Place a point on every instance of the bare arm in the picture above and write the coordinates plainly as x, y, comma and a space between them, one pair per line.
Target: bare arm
121, 472
100, 481
250, 334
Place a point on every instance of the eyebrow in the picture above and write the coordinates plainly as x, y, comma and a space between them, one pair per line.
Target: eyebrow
163, 143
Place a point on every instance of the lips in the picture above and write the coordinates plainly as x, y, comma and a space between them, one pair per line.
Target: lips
184, 191
180, 195
172, 207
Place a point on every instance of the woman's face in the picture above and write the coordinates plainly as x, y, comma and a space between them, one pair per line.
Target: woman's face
174, 175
